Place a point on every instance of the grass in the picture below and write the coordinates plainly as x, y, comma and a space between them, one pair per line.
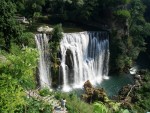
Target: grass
74, 104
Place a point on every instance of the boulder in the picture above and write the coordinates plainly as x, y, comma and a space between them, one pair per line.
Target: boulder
138, 77
87, 84
69, 59
89, 91
93, 94
44, 29
124, 90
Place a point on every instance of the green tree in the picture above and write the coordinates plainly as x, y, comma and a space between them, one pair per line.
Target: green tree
11, 95
138, 25
27, 39
57, 35
147, 12
123, 14
8, 26
55, 42
130, 32
20, 5
88, 9
20, 64
16, 75
33, 9
137, 13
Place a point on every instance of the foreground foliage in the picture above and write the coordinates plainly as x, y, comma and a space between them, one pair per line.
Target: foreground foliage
34, 106
143, 96
11, 95
74, 104
100, 108
16, 76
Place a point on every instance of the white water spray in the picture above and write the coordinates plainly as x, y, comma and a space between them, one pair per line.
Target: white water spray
84, 56
44, 61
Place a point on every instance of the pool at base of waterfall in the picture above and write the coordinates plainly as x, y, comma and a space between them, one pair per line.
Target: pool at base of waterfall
111, 85
115, 83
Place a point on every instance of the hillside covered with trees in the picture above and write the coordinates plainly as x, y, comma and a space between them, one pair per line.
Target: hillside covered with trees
126, 21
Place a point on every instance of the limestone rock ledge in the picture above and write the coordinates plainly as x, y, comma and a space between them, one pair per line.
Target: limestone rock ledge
93, 94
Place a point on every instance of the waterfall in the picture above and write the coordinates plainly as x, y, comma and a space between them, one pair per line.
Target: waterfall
84, 56
44, 60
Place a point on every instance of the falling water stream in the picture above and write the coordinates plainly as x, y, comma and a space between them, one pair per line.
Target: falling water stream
84, 56
44, 60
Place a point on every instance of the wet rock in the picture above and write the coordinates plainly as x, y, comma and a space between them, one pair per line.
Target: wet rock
89, 91
69, 59
87, 84
93, 94
138, 77
45, 29
124, 91
138, 80
127, 93
70, 65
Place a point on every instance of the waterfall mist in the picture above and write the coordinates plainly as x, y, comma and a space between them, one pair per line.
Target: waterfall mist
84, 56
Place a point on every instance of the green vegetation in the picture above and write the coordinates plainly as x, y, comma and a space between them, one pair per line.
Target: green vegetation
44, 92
127, 21
128, 35
35, 106
123, 14
54, 46
9, 28
74, 103
100, 108
20, 64
27, 39
143, 95
11, 94
147, 4
55, 42
16, 76
17, 68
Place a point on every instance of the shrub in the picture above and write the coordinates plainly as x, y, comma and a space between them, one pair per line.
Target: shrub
35, 106
100, 108
57, 33
20, 64
44, 92
122, 14
74, 104
27, 39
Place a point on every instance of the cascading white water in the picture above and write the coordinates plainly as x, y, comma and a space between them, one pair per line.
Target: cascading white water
44, 61
84, 56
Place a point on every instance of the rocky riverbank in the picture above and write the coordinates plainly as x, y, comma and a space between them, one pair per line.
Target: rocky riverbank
128, 94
